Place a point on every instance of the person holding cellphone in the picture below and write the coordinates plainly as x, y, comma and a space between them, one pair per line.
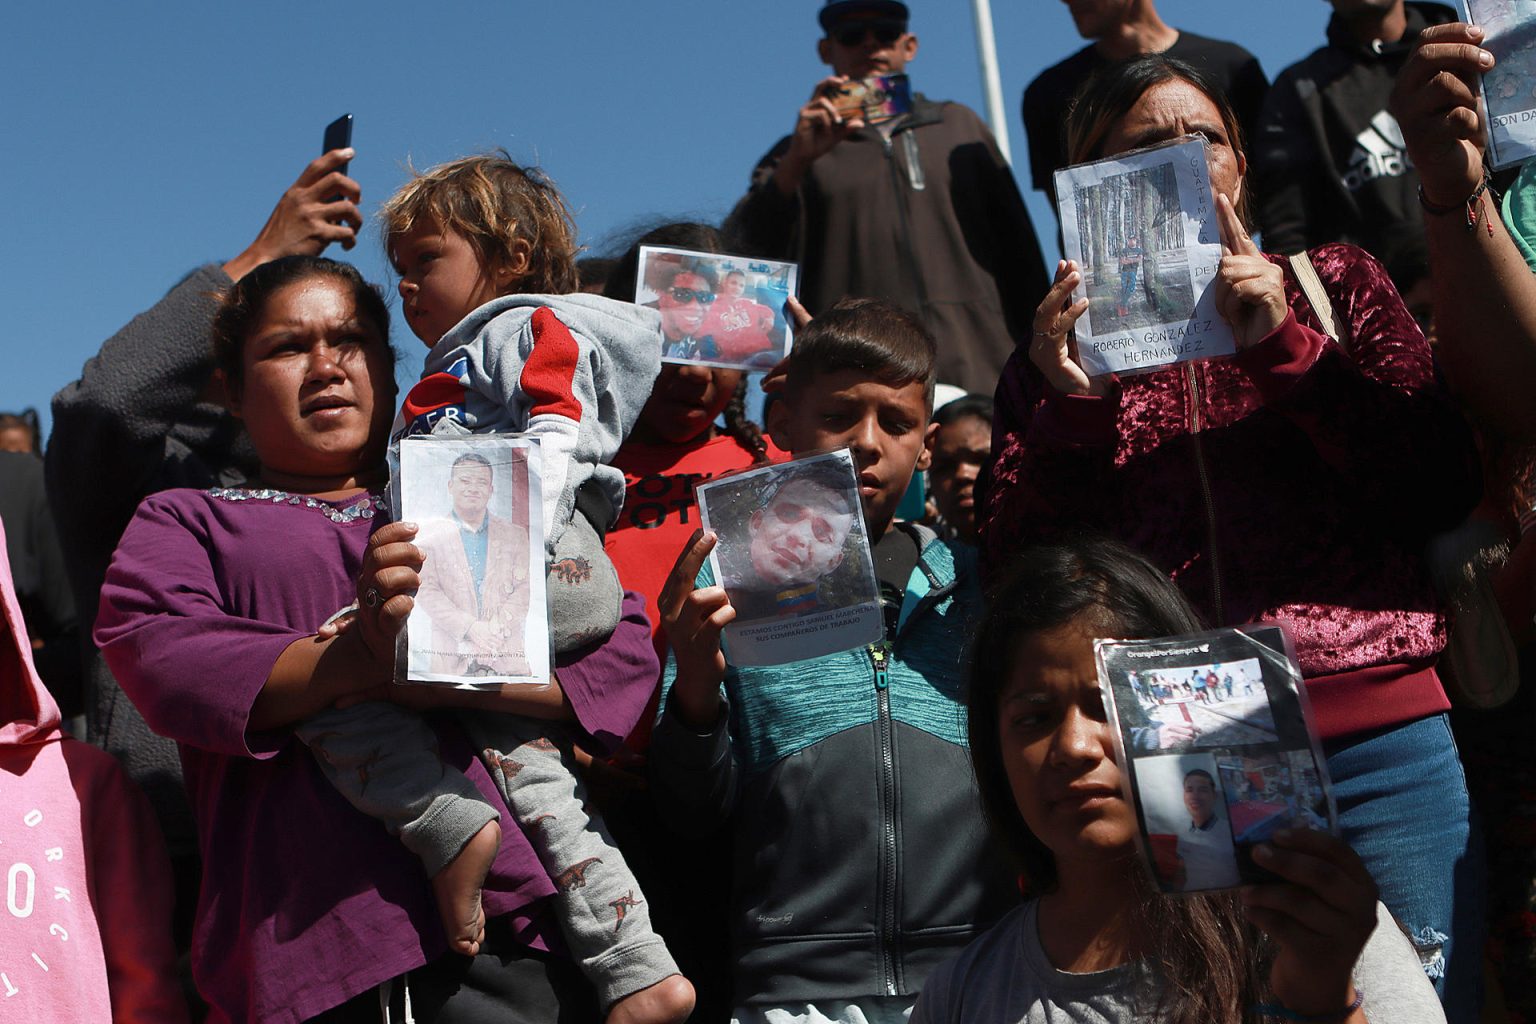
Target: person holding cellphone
920, 210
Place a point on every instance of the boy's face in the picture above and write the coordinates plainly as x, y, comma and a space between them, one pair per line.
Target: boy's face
798, 538
442, 279
959, 451
884, 424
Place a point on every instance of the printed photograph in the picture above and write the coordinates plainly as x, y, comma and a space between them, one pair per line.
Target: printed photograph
1142, 226
480, 615
718, 310
1267, 791
1228, 702
1509, 90
1134, 257
793, 556
1223, 702
1188, 827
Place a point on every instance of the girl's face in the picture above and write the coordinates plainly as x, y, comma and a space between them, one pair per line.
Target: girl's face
1174, 108
1057, 749
442, 278
316, 391
685, 402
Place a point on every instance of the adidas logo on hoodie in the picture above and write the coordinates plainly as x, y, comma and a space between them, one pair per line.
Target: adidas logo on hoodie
1379, 153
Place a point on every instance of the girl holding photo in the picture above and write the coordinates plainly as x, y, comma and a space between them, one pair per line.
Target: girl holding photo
1096, 942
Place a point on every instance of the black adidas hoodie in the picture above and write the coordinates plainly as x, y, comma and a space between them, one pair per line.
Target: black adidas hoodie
1329, 163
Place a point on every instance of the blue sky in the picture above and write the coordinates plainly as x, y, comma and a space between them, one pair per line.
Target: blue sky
144, 139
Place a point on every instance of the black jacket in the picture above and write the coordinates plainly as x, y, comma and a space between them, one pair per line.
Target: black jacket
930, 218
1329, 163
861, 858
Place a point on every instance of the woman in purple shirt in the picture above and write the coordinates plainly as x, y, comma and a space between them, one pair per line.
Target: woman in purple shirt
209, 619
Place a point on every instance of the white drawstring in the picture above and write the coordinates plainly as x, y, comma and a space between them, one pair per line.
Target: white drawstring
387, 994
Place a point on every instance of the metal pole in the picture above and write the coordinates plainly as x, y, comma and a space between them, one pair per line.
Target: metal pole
991, 82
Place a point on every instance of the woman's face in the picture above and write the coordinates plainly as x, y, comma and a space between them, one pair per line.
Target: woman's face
1174, 108
1057, 749
316, 393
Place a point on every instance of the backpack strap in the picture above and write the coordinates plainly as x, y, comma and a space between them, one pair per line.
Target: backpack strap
1318, 298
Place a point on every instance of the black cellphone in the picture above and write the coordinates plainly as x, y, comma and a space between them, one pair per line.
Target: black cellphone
338, 135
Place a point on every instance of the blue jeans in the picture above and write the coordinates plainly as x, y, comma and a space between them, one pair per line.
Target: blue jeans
1127, 284
1403, 806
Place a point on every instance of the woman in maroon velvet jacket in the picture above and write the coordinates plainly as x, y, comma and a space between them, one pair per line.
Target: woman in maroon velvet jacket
1294, 482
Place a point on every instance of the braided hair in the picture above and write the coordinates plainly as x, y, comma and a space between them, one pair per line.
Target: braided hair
747, 434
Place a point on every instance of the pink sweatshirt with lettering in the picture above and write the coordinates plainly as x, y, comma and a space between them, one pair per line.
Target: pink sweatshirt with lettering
85, 887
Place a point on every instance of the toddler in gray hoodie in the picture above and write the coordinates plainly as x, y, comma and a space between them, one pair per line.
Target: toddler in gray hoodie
485, 251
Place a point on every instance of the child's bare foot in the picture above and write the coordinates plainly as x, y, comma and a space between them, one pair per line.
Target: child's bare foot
669, 1001
457, 888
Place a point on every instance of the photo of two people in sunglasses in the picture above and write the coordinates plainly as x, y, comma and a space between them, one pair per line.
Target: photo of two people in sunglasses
716, 309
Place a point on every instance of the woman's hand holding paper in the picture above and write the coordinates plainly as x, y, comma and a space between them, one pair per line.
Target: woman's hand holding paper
1052, 348
1250, 290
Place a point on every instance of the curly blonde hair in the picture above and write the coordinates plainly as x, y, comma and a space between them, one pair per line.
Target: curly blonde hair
493, 203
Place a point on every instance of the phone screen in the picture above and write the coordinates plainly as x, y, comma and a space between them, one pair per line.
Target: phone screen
338, 135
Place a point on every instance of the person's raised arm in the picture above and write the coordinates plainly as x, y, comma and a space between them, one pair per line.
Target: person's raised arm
818, 129
693, 768
316, 210
1484, 294
142, 416
1054, 439
764, 220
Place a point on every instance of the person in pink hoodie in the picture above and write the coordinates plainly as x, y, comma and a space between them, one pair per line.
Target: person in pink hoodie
85, 929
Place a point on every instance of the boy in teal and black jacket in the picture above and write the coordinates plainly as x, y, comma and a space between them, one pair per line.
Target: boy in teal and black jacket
861, 858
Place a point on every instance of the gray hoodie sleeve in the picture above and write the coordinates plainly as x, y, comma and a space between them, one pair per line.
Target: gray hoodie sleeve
137, 422
573, 370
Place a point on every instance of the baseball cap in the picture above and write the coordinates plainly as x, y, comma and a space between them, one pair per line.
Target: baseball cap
834, 11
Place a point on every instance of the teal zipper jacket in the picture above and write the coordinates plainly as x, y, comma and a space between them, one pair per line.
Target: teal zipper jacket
861, 857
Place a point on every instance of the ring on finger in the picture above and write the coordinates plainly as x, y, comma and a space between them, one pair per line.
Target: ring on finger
371, 597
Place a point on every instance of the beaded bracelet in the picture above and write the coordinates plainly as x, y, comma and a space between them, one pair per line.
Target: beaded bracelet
1276, 1010
1473, 205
